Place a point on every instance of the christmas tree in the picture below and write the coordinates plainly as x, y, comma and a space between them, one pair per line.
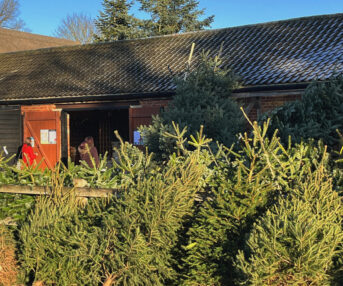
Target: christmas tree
202, 99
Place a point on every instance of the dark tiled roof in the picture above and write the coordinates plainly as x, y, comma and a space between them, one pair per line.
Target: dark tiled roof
12, 41
291, 51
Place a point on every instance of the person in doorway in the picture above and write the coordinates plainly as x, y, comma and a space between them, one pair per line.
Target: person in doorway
87, 151
27, 152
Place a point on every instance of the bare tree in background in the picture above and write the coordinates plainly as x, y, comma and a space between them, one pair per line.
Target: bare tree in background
9, 15
77, 27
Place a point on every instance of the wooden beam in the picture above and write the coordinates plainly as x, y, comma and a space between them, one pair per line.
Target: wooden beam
79, 192
274, 93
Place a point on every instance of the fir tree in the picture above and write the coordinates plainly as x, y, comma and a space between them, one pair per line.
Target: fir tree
123, 240
174, 16
115, 22
317, 115
298, 241
202, 98
242, 189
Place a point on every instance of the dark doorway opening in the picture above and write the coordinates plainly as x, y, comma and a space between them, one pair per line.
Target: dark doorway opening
100, 124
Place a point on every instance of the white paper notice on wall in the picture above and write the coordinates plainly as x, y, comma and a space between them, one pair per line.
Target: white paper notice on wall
44, 136
52, 136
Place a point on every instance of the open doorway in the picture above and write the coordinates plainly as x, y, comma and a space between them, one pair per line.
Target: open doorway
100, 124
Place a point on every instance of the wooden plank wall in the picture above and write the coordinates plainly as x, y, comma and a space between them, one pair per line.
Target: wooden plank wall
10, 128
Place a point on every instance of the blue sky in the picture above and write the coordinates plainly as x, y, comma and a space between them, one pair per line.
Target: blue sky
44, 16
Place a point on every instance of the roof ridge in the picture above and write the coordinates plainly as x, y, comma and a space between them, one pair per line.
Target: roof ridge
87, 46
268, 23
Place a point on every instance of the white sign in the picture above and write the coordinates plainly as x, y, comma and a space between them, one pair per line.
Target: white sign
52, 136
44, 136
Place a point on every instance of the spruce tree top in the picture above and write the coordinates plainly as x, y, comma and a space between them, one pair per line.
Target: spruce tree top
115, 23
165, 17
174, 16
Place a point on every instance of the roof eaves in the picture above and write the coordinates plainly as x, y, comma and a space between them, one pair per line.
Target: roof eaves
89, 97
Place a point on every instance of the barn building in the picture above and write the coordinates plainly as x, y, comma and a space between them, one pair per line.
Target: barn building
60, 95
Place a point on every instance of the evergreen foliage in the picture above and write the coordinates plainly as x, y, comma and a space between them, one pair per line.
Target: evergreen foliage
173, 16
58, 247
317, 115
260, 214
202, 98
298, 240
147, 222
15, 207
115, 22
27, 175
242, 188
125, 240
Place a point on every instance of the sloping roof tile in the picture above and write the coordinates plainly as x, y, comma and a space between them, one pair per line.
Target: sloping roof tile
291, 51
12, 41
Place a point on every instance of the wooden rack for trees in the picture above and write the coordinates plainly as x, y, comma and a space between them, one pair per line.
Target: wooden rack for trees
79, 192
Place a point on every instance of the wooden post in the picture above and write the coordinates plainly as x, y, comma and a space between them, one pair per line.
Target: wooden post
79, 192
